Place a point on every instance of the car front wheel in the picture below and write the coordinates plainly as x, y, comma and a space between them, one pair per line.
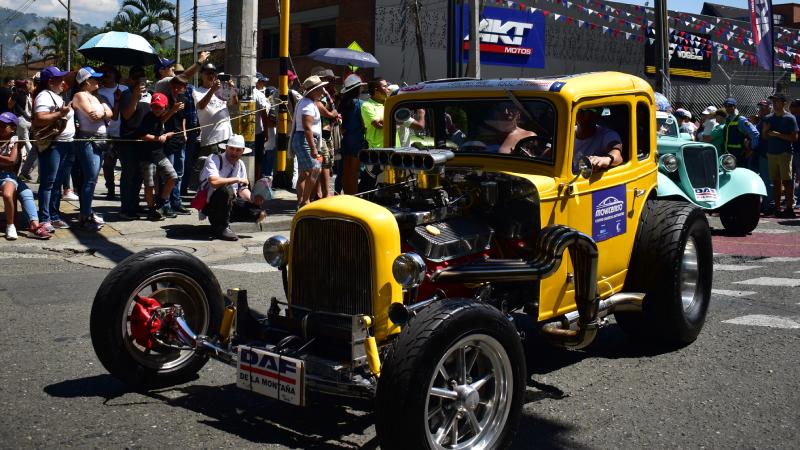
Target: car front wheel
740, 216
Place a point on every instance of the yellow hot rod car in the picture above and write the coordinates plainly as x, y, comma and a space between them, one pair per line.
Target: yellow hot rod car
510, 199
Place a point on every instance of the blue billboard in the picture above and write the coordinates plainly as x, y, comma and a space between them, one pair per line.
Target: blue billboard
508, 37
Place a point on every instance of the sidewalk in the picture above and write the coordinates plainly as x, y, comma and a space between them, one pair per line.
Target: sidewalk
119, 238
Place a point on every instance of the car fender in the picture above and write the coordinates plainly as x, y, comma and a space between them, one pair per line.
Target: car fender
668, 188
738, 182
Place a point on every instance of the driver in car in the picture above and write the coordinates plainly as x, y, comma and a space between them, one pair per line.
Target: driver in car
602, 145
502, 129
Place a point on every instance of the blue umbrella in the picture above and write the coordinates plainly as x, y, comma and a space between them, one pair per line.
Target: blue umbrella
119, 48
344, 57
662, 102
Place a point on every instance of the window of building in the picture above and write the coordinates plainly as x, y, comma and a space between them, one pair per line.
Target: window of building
270, 43
321, 35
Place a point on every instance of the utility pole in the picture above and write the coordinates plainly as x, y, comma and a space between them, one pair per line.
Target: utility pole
194, 38
240, 49
662, 46
282, 139
420, 46
474, 65
68, 7
177, 31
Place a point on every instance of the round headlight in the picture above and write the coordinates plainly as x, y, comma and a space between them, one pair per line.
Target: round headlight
670, 162
728, 162
276, 251
409, 270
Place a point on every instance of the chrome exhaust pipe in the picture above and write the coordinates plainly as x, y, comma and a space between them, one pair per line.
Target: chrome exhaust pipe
561, 333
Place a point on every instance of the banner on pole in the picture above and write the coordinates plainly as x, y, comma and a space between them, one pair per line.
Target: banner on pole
761, 20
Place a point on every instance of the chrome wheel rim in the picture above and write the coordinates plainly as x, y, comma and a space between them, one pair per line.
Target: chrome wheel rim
469, 395
169, 288
690, 275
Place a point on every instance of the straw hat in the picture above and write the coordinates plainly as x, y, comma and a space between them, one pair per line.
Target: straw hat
351, 82
313, 82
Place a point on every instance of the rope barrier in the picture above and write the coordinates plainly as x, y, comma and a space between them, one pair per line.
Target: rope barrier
117, 139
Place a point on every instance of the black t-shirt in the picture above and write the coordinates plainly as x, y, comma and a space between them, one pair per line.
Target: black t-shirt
175, 125
151, 151
5, 94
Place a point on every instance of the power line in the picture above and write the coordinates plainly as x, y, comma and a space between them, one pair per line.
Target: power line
18, 12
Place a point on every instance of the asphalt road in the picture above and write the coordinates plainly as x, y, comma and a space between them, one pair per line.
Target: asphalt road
736, 387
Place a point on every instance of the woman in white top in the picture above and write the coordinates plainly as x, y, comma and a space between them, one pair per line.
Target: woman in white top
93, 117
306, 138
55, 161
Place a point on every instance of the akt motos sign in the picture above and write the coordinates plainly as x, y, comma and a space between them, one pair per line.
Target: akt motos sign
507, 37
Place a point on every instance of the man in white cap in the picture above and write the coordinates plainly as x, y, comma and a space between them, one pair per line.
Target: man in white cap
709, 122
229, 195
685, 122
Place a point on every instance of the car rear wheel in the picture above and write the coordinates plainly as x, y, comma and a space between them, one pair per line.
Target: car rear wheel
455, 379
740, 215
672, 264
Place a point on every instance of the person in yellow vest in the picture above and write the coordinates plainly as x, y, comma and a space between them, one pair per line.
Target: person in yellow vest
737, 129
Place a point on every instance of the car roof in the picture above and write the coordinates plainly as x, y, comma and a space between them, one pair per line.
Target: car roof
573, 87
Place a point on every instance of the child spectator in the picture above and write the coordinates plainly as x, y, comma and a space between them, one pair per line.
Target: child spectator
152, 132
10, 159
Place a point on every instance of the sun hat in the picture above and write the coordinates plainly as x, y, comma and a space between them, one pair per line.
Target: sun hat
313, 82
178, 68
178, 79
709, 110
8, 117
351, 82
236, 141
85, 73
323, 72
159, 99
680, 112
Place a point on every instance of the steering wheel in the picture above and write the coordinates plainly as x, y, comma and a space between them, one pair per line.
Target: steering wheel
539, 147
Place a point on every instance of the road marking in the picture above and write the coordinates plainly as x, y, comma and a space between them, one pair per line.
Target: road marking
734, 267
770, 281
247, 267
777, 259
774, 231
728, 293
25, 256
761, 320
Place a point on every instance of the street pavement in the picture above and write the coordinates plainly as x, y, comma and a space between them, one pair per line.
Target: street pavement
736, 387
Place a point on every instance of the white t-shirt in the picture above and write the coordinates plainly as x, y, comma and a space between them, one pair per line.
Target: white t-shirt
48, 101
596, 145
113, 125
228, 170
216, 112
688, 127
307, 107
261, 103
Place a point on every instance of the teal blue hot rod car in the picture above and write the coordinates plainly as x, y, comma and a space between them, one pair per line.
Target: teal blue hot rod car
695, 172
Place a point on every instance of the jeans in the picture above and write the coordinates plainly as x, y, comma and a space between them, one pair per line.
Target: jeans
25, 196
109, 161
177, 160
268, 163
55, 164
224, 207
131, 178
759, 165
89, 155
190, 156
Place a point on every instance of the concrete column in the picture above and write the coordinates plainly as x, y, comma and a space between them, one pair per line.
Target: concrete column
240, 42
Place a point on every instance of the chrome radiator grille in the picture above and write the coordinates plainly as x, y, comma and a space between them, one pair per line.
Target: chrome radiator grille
701, 166
331, 266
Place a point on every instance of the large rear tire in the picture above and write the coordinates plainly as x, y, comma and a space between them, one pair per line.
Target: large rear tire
455, 378
173, 277
740, 216
672, 264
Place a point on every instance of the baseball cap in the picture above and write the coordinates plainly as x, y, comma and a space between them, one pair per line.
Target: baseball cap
51, 72
260, 77
711, 109
778, 96
208, 67
163, 63
764, 102
85, 73
8, 117
730, 101
159, 99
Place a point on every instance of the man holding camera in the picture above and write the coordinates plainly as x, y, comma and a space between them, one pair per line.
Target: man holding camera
212, 111
165, 70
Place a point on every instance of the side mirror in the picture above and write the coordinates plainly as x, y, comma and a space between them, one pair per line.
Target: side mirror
585, 168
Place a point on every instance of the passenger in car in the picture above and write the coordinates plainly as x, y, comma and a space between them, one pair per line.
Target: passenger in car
602, 145
501, 131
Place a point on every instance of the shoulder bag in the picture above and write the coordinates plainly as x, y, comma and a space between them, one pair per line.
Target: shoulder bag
45, 135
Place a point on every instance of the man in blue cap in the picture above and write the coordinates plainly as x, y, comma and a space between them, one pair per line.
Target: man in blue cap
737, 129
165, 70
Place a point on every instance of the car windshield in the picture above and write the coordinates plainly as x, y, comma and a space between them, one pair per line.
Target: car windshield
505, 127
667, 126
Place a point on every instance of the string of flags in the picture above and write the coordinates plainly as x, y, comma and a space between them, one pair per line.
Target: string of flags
634, 27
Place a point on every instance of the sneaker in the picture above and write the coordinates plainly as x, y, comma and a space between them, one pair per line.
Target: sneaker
48, 227
11, 232
227, 235
167, 212
181, 210
98, 218
89, 224
69, 195
154, 215
60, 224
25, 178
787, 213
39, 232
126, 216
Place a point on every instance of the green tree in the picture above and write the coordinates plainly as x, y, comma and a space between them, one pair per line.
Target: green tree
55, 34
151, 16
28, 38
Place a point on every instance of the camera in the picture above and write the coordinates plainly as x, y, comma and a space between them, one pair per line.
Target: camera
224, 77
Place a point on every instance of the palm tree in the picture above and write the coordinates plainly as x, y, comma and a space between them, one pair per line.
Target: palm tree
55, 32
150, 14
28, 38
130, 21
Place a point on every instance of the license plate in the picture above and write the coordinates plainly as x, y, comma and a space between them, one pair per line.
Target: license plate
271, 375
705, 194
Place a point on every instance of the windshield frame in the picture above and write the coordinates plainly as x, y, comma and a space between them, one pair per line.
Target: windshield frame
673, 126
